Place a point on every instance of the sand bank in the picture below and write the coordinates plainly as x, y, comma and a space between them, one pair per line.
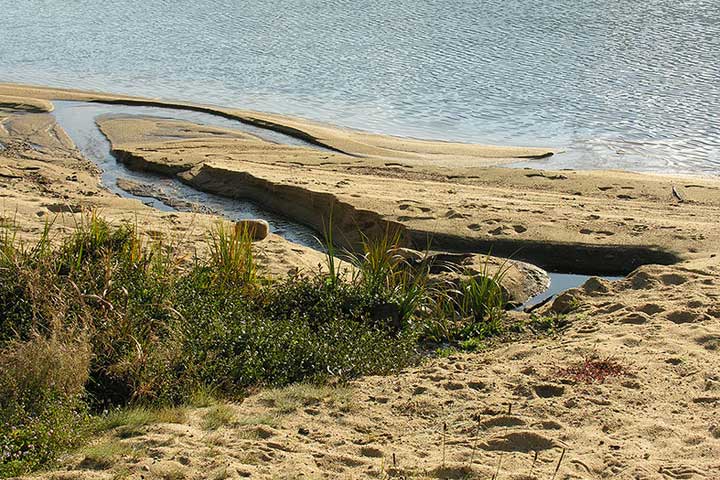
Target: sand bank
596, 222
514, 409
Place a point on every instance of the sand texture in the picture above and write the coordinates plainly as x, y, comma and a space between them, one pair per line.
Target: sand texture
576, 221
511, 410
518, 410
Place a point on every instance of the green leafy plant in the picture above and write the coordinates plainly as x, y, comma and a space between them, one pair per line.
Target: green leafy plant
146, 329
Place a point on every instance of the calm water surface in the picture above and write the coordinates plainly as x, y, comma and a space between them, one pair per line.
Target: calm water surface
619, 84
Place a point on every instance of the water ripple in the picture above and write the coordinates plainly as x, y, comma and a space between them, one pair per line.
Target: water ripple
619, 84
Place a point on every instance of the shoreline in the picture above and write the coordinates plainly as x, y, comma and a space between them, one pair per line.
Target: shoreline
476, 410
339, 138
493, 155
455, 192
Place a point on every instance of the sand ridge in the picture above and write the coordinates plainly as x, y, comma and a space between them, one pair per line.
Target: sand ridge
340, 139
575, 221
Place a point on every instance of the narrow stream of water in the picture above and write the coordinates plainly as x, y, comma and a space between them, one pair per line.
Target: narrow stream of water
559, 282
78, 120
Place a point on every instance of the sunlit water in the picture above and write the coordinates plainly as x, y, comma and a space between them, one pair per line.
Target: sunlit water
619, 84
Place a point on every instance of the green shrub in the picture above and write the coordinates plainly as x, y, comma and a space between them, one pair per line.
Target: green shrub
106, 318
30, 437
301, 328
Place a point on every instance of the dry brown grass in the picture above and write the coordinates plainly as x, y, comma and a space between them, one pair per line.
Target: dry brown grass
58, 363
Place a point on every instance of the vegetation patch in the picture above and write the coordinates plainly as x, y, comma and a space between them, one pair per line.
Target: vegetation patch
289, 399
109, 329
218, 416
103, 455
141, 416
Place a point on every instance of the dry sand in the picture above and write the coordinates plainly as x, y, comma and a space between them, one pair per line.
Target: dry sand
511, 409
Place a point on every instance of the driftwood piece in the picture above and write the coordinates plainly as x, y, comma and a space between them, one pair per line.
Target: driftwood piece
677, 195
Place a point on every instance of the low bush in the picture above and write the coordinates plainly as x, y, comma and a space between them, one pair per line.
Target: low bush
105, 318
41, 399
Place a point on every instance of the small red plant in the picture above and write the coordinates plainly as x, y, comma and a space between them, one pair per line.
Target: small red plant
594, 369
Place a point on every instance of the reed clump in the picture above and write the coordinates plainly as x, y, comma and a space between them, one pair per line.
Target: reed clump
108, 318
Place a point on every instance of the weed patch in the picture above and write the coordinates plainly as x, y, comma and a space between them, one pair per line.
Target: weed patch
108, 320
594, 369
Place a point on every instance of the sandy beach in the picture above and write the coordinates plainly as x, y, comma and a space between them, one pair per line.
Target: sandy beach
516, 410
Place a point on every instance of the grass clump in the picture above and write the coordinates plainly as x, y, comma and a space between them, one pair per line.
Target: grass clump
231, 258
107, 320
294, 397
139, 416
218, 416
103, 455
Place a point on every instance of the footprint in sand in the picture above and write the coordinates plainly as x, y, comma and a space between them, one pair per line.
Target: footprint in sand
477, 385
519, 441
455, 214
508, 230
549, 390
407, 206
502, 421
684, 316
709, 342
681, 472
371, 452
650, 308
587, 231
673, 279
453, 386
551, 425
407, 219
635, 318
